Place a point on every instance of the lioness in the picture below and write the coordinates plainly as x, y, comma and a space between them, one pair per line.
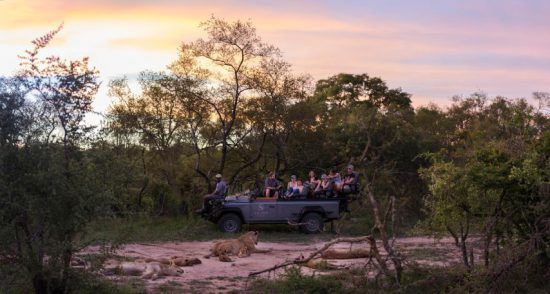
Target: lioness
175, 261
147, 270
155, 270
242, 246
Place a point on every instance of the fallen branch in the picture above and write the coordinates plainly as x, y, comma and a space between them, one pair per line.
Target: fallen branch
291, 223
346, 254
302, 261
159, 246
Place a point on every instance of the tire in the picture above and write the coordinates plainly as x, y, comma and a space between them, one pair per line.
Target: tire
312, 223
230, 223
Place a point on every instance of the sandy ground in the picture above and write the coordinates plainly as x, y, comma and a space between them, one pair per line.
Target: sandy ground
215, 276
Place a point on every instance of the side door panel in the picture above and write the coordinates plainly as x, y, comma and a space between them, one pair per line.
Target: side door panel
263, 211
289, 210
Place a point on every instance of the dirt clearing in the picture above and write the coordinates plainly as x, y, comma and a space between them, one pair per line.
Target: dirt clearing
216, 276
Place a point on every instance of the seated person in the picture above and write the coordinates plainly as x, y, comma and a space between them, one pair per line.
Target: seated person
297, 191
272, 186
336, 179
218, 194
350, 181
304, 189
325, 188
292, 186
313, 181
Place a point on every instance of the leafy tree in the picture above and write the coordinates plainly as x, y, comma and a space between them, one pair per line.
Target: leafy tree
474, 180
49, 189
163, 118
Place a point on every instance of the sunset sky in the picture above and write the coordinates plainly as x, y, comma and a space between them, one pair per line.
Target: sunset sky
432, 49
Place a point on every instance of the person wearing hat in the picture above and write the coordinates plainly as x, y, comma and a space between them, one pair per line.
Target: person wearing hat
218, 194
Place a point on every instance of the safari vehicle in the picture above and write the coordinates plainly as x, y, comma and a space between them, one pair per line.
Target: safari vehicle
309, 214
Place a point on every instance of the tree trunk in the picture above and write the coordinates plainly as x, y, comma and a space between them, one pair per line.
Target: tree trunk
380, 226
67, 255
463, 247
40, 284
224, 155
460, 242
486, 245
145, 179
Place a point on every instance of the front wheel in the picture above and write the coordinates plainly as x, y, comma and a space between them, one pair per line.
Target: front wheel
312, 223
230, 223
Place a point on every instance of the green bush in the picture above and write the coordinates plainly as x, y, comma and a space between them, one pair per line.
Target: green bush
293, 281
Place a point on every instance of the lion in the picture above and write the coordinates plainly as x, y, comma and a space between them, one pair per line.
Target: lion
241, 247
176, 261
320, 264
155, 270
147, 270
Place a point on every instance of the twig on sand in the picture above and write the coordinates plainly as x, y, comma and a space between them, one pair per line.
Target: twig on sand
140, 253
159, 246
300, 261
291, 223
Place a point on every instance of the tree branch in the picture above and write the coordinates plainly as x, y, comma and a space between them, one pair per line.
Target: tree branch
301, 261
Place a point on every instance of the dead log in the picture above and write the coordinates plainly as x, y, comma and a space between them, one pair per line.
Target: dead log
302, 261
346, 254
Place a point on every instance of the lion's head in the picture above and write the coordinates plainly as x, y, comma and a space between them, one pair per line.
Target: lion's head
250, 238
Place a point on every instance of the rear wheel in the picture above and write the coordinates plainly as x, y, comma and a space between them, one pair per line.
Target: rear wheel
312, 223
230, 223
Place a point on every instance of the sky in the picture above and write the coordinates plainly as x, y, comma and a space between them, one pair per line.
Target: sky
433, 49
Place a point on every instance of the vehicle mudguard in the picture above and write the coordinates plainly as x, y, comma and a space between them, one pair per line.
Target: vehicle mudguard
217, 214
313, 208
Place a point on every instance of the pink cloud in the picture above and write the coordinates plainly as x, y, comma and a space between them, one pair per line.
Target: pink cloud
433, 59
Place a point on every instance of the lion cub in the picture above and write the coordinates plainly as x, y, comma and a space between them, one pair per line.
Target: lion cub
242, 246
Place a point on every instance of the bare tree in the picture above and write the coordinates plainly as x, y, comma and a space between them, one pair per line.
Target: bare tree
228, 58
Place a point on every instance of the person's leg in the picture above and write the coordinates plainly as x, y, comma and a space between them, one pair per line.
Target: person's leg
330, 189
346, 189
344, 204
290, 193
214, 199
205, 203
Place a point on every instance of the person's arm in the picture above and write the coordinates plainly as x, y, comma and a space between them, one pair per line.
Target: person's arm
220, 188
217, 189
355, 179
